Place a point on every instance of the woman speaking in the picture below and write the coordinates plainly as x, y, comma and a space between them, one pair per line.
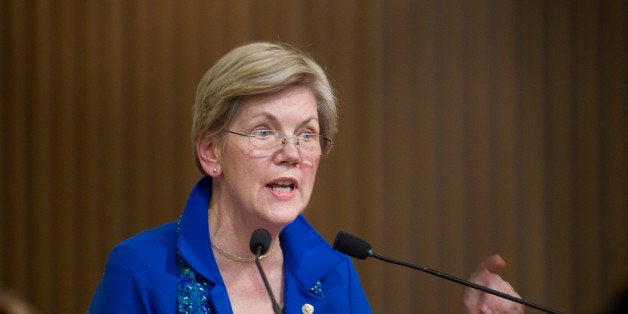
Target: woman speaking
264, 116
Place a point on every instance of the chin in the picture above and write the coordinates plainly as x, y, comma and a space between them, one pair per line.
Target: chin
284, 216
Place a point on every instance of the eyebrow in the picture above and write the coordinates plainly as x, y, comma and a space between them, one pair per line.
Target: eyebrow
273, 118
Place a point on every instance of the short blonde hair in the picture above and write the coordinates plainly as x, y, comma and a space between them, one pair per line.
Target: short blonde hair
255, 69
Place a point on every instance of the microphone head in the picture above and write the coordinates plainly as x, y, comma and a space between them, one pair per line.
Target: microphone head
260, 238
352, 246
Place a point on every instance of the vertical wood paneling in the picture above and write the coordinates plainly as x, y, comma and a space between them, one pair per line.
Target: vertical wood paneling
587, 107
187, 70
451, 137
162, 114
64, 158
290, 22
400, 105
368, 93
560, 149
268, 18
614, 145
422, 143
16, 167
467, 128
89, 167
3, 160
530, 154
144, 136
43, 149
344, 52
210, 41
504, 136
237, 24
114, 124
478, 54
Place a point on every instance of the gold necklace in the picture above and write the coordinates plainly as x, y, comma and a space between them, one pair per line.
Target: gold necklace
236, 258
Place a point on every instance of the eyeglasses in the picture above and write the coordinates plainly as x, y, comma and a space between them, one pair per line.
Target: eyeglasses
312, 144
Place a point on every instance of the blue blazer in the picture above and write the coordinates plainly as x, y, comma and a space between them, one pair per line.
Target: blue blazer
144, 274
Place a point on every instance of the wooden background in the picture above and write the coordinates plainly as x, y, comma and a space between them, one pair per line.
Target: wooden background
467, 128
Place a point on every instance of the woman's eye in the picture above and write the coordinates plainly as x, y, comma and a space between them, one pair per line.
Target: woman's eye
306, 135
262, 133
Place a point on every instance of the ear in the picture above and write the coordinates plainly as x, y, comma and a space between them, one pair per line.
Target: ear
208, 155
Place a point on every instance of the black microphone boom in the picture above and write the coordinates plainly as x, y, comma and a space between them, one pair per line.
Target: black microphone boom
355, 247
259, 244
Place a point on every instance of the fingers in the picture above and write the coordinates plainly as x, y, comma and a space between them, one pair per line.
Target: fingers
496, 282
493, 263
486, 275
476, 301
473, 299
499, 304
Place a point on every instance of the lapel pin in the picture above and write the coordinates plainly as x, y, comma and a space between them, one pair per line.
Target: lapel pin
307, 308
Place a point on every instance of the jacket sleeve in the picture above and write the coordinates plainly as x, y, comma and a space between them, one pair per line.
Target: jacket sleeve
140, 275
120, 289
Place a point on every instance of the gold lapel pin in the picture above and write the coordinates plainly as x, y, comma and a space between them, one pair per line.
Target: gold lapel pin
307, 308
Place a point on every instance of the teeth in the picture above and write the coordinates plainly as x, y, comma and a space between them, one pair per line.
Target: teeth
282, 186
282, 189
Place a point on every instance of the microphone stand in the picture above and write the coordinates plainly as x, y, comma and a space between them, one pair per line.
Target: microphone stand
276, 307
463, 282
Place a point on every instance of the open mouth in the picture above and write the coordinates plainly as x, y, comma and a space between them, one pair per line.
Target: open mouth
283, 186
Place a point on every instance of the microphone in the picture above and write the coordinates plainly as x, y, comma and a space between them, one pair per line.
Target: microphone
259, 244
355, 247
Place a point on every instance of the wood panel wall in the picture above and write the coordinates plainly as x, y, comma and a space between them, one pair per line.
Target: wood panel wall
467, 128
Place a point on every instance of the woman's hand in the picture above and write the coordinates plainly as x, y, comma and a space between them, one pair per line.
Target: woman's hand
476, 301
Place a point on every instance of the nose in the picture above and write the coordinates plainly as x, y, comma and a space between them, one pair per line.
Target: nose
290, 153
294, 139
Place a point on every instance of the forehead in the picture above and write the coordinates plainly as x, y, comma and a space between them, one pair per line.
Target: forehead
294, 103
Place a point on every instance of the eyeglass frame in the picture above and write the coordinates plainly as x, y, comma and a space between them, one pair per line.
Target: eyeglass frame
284, 139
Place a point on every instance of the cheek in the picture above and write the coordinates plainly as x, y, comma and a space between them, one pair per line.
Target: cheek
311, 164
309, 169
240, 171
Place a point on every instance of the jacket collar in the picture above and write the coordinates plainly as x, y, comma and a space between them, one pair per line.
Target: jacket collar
193, 242
307, 259
307, 256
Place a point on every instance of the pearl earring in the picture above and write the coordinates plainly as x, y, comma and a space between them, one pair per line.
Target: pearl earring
214, 170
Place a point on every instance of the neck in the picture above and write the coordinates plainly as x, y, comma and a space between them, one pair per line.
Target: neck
231, 236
